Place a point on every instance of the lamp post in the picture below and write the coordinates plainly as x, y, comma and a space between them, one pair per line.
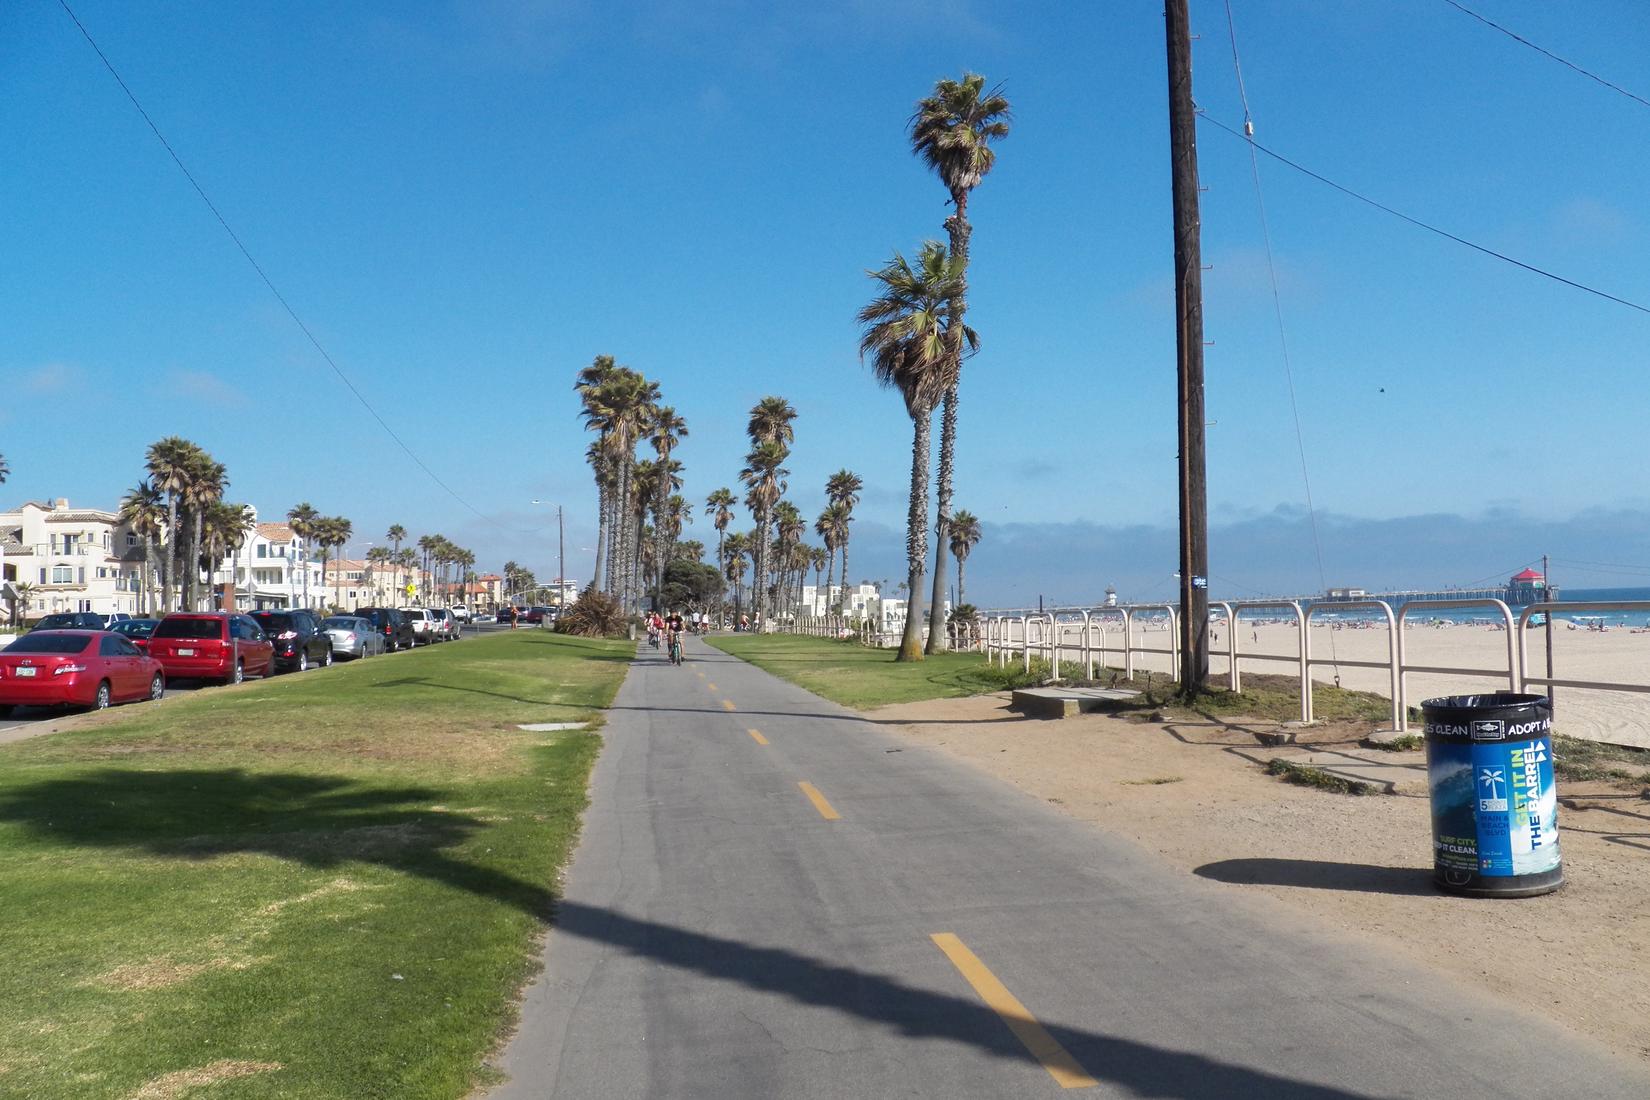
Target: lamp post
561, 557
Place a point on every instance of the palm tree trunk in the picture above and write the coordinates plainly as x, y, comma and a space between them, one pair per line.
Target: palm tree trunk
958, 232
601, 534
942, 523
829, 573
961, 558
916, 536
721, 571
167, 561
842, 596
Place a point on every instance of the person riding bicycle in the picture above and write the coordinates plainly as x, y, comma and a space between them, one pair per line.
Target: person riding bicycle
673, 631
655, 628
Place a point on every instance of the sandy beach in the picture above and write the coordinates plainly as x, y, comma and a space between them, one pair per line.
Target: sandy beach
1617, 655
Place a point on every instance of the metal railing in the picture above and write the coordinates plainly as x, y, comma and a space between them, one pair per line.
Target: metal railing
1404, 668
1524, 616
1394, 662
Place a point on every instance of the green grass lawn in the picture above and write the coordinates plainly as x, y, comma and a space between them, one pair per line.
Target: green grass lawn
324, 885
851, 674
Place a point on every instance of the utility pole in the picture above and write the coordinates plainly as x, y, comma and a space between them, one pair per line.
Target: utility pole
561, 560
1547, 596
1188, 299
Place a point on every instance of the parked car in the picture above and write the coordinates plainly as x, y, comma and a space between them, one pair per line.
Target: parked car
447, 624
397, 631
537, 615
486, 618
462, 614
211, 645
136, 631
353, 636
71, 620
298, 638
423, 624
84, 668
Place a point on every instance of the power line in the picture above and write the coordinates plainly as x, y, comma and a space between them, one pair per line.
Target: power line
279, 297
1277, 311
1571, 65
1419, 224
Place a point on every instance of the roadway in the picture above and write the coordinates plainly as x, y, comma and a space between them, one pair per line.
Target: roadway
774, 898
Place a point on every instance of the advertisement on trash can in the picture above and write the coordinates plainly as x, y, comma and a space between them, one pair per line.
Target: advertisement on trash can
1495, 808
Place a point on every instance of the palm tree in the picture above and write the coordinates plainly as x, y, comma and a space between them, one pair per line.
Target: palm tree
832, 527
965, 534
302, 517
769, 427
719, 506
843, 487
789, 527
666, 431
333, 532
20, 608
168, 461
908, 336
819, 556
587, 385
764, 479
143, 512
207, 479
952, 131
5, 470
734, 549
378, 558
620, 411
224, 531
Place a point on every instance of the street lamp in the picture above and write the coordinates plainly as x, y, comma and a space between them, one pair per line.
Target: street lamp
561, 557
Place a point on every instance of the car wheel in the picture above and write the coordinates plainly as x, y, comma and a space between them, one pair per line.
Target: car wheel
238, 674
303, 660
326, 662
104, 697
157, 686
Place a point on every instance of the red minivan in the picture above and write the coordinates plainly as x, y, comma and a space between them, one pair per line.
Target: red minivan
211, 645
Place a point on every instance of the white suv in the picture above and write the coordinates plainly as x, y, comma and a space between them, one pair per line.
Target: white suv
423, 624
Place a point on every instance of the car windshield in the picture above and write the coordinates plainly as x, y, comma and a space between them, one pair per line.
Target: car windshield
340, 622
55, 622
49, 643
189, 628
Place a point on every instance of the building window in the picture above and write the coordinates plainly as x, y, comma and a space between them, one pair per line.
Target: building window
61, 574
263, 551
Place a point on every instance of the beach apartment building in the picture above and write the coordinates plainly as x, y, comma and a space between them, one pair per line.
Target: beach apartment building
69, 559
274, 569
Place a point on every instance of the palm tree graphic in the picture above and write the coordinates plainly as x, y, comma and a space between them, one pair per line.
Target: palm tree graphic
1490, 777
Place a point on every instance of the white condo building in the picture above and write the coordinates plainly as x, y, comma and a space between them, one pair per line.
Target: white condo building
271, 569
70, 559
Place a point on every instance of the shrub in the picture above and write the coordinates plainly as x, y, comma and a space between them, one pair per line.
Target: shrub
593, 615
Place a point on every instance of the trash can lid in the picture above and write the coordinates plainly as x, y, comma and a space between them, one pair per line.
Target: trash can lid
1492, 701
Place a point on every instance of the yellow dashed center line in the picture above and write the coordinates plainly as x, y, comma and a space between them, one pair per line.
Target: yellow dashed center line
711, 686
825, 809
1044, 1047
757, 737
728, 703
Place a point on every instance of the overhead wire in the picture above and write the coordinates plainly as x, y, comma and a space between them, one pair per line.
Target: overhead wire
257, 267
1277, 310
1543, 51
1418, 223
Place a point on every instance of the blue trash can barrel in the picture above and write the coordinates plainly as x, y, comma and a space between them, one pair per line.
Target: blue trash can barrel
1494, 806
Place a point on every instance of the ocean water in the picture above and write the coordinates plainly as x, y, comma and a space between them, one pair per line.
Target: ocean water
1578, 596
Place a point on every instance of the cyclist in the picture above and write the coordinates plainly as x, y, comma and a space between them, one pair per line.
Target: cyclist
673, 635
655, 627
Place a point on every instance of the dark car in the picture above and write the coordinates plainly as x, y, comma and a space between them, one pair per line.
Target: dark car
136, 631
71, 620
537, 615
298, 638
394, 626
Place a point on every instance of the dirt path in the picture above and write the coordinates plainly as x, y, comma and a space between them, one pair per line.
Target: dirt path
1196, 794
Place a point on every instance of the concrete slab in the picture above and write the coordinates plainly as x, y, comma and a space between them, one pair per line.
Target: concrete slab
550, 727
1060, 702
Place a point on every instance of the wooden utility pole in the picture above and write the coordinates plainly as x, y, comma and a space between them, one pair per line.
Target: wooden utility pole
1188, 300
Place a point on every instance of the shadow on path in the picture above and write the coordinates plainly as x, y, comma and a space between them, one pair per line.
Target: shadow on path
325, 821
1320, 875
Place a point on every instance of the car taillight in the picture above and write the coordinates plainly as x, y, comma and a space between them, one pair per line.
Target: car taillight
64, 670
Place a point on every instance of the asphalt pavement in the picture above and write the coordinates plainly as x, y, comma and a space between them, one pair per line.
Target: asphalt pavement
775, 898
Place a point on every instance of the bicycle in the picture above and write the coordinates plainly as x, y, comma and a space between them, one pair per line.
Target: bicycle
675, 649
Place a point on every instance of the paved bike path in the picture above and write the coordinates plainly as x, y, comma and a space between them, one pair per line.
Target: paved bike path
728, 932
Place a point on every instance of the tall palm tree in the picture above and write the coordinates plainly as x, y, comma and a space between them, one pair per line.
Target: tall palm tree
203, 487
587, 384
620, 411
789, 527
952, 131
224, 530
334, 532
719, 506
734, 548
666, 431
168, 461
965, 535
5, 470
20, 608
301, 518
843, 487
832, 527
143, 512
908, 336
764, 479
769, 426
378, 560
819, 556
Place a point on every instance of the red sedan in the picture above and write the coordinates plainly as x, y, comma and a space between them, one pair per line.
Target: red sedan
84, 668
211, 645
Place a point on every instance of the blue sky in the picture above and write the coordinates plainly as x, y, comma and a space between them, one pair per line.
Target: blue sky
467, 201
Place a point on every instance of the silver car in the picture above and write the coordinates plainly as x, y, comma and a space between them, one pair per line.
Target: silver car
448, 627
353, 637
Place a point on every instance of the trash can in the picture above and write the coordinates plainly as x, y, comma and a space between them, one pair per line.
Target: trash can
1494, 807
